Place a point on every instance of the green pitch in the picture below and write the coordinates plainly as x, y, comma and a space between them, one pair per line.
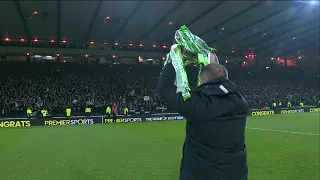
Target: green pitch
277, 147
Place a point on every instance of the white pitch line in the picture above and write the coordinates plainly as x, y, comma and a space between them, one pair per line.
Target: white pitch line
291, 132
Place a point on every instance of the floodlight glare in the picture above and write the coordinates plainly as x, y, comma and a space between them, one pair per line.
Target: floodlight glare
313, 2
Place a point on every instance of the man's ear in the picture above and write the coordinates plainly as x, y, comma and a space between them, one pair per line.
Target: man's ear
202, 81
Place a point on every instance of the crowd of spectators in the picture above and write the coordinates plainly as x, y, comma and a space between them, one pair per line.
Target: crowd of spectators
83, 45
57, 86
103, 46
261, 87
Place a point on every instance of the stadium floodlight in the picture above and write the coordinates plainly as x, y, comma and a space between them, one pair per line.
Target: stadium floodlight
313, 2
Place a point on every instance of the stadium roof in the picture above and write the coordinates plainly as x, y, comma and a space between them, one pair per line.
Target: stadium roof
267, 27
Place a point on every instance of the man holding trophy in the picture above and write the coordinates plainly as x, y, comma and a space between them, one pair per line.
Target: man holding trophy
214, 147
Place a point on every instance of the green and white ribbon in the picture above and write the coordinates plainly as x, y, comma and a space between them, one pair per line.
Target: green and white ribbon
181, 74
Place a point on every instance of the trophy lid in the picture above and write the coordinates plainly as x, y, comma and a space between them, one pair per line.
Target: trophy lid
192, 42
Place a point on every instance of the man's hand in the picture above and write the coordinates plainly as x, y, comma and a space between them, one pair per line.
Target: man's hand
212, 58
191, 57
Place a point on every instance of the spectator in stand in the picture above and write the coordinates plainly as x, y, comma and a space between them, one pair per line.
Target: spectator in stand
114, 112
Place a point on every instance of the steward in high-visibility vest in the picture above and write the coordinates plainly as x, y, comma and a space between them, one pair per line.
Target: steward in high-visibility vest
108, 110
68, 112
125, 111
280, 104
301, 104
163, 108
44, 112
289, 104
274, 105
88, 111
29, 113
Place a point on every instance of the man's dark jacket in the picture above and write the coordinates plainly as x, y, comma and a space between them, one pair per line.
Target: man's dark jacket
214, 147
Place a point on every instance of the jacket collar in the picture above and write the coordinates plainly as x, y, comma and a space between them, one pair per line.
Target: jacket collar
219, 87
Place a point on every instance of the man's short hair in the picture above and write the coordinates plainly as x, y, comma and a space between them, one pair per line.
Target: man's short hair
213, 71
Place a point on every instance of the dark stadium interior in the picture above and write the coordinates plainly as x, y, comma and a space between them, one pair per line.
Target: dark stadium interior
269, 47
87, 90
269, 28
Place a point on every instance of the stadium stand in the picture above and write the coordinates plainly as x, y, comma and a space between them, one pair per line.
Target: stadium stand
57, 86
71, 70
277, 58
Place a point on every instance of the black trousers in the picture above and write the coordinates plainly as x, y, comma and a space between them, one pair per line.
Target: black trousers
114, 118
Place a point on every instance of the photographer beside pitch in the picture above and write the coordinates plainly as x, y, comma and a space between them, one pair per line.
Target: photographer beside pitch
214, 147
